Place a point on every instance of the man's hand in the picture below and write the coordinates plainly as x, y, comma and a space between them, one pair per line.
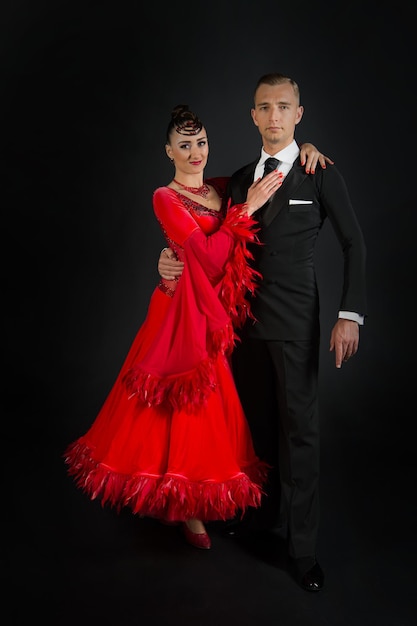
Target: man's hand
344, 340
310, 156
168, 265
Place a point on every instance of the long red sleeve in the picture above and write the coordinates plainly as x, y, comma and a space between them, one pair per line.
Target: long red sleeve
208, 303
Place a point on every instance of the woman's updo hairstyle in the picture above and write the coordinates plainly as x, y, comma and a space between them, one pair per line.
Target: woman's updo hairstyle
183, 121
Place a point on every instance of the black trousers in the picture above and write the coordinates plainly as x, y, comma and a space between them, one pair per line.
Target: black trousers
277, 382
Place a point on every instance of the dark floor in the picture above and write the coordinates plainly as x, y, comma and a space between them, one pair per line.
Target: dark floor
72, 562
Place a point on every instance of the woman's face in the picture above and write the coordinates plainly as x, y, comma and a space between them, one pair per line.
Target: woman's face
190, 152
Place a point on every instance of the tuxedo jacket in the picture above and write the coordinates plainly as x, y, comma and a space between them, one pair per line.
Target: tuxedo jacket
286, 302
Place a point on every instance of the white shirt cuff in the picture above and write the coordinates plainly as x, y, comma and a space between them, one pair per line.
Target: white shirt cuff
355, 317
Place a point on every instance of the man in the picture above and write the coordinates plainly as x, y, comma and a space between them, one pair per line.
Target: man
276, 364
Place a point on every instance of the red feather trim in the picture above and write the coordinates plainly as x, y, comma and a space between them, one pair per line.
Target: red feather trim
182, 391
167, 497
240, 278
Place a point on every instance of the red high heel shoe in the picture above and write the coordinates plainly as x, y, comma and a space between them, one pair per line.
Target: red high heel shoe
198, 540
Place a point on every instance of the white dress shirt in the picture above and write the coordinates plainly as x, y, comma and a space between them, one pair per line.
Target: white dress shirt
286, 157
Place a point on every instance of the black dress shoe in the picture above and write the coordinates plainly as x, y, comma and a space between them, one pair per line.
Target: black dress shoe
312, 579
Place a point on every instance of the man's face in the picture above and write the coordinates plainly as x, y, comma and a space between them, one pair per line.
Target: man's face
276, 113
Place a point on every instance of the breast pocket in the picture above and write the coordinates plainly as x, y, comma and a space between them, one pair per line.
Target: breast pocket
297, 206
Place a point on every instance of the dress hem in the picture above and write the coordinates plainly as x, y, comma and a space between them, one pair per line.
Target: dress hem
168, 497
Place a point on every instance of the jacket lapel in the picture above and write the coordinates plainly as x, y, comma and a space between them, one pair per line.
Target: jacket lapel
247, 180
292, 181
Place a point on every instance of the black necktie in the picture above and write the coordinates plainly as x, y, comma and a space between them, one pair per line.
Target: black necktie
270, 165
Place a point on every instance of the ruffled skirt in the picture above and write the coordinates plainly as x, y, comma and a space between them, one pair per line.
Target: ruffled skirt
166, 463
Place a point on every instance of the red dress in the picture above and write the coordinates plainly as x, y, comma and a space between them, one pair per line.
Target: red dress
171, 440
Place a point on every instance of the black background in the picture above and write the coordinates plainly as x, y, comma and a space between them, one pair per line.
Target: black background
87, 91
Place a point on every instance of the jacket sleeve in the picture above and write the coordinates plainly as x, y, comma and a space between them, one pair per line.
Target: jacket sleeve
335, 199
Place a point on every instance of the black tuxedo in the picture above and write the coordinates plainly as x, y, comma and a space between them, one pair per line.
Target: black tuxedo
276, 364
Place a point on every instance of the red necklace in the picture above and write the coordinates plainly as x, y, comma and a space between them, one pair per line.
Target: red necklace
202, 191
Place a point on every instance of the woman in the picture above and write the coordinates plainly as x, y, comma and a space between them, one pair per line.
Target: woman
171, 441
